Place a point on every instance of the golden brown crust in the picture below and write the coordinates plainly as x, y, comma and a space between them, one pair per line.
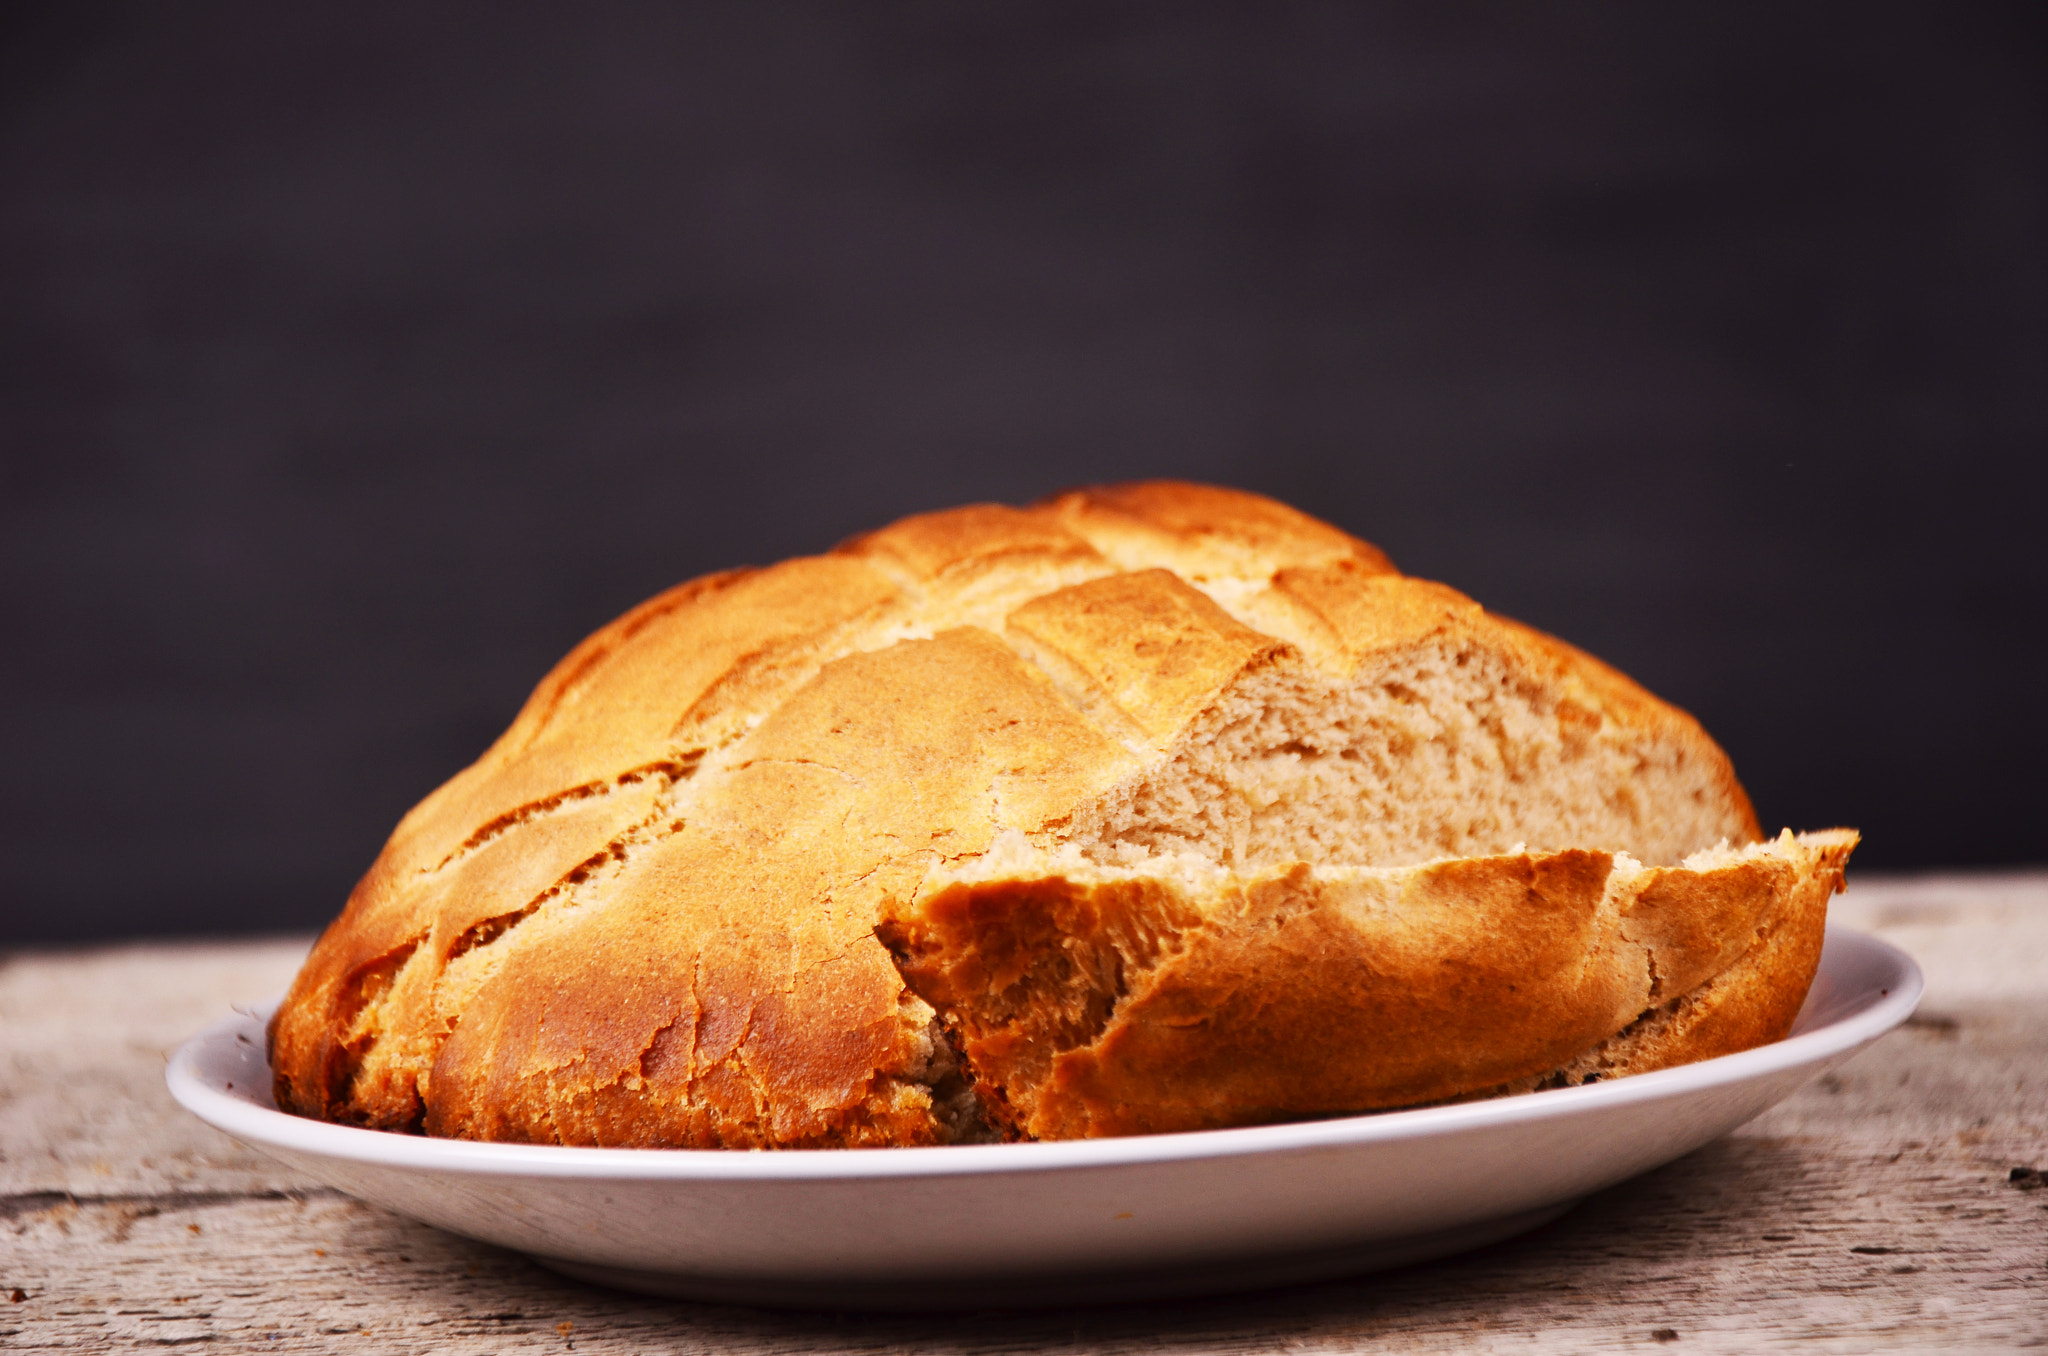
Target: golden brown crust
1169, 997
646, 915
1146, 642
1755, 997
1202, 532
1151, 1008
930, 545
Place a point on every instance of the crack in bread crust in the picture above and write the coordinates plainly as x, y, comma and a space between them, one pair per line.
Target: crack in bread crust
648, 915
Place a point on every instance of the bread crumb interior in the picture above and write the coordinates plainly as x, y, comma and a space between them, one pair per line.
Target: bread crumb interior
1441, 751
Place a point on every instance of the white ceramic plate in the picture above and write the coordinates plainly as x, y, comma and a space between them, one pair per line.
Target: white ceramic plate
1079, 1221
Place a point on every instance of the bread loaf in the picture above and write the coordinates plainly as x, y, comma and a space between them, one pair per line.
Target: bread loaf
1148, 807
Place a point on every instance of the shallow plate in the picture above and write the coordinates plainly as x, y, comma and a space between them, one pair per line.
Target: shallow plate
1078, 1221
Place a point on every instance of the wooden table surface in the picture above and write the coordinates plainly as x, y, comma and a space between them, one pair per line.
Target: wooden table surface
1887, 1207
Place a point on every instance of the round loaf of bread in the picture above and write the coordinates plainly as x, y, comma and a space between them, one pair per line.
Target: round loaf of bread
1149, 807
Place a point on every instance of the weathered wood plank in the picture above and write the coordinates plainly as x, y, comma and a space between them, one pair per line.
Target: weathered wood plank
83, 1039
1873, 1212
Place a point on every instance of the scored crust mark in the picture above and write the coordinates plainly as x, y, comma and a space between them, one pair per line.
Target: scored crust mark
581, 666
1147, 643
623, 712
929, 546
829, 772
355, 1016
669, 771
401, 1006
685, 953
1202, 533
486, 931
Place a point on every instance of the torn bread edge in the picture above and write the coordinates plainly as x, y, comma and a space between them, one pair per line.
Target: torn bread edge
1175, 994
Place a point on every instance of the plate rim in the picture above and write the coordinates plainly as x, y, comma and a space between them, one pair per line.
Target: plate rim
271, 1129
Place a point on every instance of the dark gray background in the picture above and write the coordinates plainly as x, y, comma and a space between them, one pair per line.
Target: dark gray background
355, 362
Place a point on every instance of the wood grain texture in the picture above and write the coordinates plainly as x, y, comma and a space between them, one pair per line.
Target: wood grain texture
1875, 1211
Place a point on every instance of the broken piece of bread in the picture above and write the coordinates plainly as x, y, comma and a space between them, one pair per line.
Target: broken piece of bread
1149, 807
1174, 994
